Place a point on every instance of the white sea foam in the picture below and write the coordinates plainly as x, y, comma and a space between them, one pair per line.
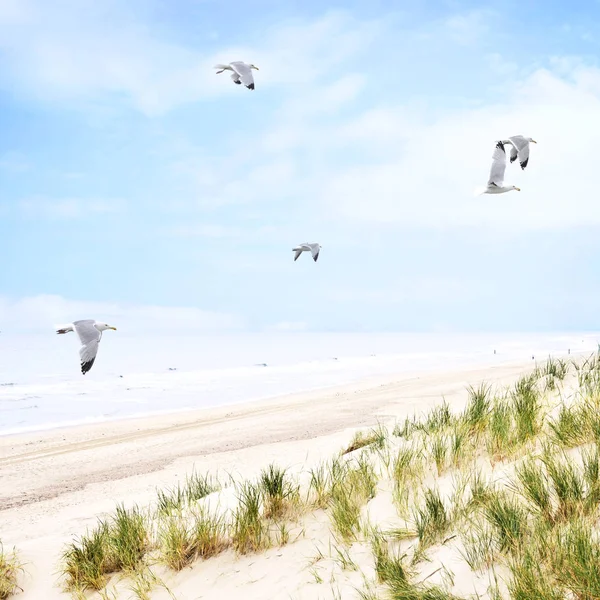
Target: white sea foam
41, 386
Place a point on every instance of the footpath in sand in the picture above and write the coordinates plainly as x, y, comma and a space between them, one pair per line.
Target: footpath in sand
54, 485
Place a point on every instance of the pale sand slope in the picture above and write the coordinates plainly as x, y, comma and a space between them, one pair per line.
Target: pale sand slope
55, 484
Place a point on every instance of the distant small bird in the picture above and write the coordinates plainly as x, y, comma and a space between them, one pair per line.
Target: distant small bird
90, 334
242, 72
495, 185
314, 249
519, 149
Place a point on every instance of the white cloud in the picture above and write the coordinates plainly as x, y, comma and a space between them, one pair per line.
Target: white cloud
41, 313
290, 326
327, 98
77, 50
429, 178
393, 164
416, 288
409, 166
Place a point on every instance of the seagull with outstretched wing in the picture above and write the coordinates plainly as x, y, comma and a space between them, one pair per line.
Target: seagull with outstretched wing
519, 149
90, 334
241, 72
313, 248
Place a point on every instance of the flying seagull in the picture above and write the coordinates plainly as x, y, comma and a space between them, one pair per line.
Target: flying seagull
314, 249
242, 72
519, 148
495, 183
90, 334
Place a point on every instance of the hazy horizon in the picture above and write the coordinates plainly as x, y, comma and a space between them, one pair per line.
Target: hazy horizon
41, 385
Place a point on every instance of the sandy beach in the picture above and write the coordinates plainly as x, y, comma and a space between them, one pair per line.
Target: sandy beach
56, 484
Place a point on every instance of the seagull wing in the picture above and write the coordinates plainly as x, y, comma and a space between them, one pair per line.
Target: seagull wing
90, 338
522, 146
498, 166
236, 78
314, 250
245, 73
297, 254
513, 152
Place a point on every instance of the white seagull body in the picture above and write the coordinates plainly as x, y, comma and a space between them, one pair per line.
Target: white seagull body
495, 184
90, 334
314, 249
519, 149
242, 72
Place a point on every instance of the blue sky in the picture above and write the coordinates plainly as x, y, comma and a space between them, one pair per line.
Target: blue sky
134, 181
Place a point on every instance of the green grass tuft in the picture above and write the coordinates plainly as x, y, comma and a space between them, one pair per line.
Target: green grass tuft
88, 559
439, 452
529, 580
185, 538
375, 438
576, 562
250, 533
508, 519
279, 494
431, 519
478, 407
129, 537
478, 546
10, 567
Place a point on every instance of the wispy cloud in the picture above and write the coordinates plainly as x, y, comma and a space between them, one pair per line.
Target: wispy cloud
412, 169
79, 50
41, 313
68, 208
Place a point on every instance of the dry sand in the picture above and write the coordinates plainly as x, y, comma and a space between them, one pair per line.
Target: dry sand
55, 484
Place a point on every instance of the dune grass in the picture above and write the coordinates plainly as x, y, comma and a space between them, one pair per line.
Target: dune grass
249, 530
388, 566
88, 559
374, 438
348, 495
407, 468
324, 478
128, 537
477, 412
478, 550
281, 495
535, 515
432, 518
184, 538
508, 520
10, 567
195, 488
116, 544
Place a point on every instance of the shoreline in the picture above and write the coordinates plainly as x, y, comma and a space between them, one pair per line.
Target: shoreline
83, 437
120, 391
145, 418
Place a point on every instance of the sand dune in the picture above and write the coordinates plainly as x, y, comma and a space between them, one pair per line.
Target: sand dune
55, 484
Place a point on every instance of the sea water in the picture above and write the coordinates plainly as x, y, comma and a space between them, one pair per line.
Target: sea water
41, 386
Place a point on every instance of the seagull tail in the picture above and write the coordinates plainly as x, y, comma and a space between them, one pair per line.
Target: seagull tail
479, 191
221, 68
